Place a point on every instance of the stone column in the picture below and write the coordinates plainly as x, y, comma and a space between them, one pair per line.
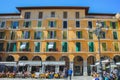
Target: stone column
71, 67
43, 68
57, 68
85, 68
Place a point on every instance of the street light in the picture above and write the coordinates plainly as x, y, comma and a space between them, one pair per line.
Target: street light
98, 31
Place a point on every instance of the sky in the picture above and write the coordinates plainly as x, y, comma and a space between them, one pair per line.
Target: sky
96, 6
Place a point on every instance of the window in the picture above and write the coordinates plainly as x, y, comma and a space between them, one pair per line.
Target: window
27, 24
1, 46
52, 14
11, 46
77, 24
51, 46
64, 34
64, 46
26, 34
103, 24
77, 15
2, 35
114, 25
24, 46
14, 24
65, 24
13, 33
104, 47
78, 34
39, 23
40, 15
115, 35
27, 15
51, 34
2, 24
52, 24
90, 35
78, 46
103, 35
116, 47
89, 24
91, 46
38, 35
37, 46
65, 15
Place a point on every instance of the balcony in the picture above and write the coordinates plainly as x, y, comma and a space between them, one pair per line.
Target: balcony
24, 38
25, 28
51, 17
53, 28
53, 39
38, 28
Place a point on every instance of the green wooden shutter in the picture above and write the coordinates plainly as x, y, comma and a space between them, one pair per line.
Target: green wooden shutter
27, 46
115, 35
30, 24
116, 25
54, 47
116, 47
111, 25
49, 24
76, 34
78, 46
91, 47
64, 46
28, 34
34, 35
104, 24
14, 48
48, 34
54, 34
47, 46
80, 34
104, 46
8, 46
24, 24
55, 23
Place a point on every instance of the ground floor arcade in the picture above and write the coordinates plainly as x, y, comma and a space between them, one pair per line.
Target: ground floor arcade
79, 63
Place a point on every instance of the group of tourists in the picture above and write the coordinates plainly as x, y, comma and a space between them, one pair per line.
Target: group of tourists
113, 75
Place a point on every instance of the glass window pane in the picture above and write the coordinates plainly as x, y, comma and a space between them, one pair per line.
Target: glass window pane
64, 15
116, 47
40, 15
104, 47
37, 46
1, 46
91, 47
78, 46
64, 34
2, 24
77, 23
64, 24
89, 24
27, 15
90, 35
64, 46
115, 35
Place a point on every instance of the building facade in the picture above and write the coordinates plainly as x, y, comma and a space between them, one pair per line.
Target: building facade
55, 38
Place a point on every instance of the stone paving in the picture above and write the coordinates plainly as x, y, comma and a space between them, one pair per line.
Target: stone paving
73, 78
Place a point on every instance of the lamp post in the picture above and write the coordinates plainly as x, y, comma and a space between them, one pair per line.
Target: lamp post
98, 32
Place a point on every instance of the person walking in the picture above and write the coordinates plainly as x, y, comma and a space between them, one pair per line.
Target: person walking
70, 73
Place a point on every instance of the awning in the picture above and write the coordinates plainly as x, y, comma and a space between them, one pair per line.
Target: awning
23, 46
30, 63
53, 63
9, 63
51, 44
118, 63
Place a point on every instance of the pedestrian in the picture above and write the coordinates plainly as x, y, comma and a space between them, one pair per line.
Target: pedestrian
70, 73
